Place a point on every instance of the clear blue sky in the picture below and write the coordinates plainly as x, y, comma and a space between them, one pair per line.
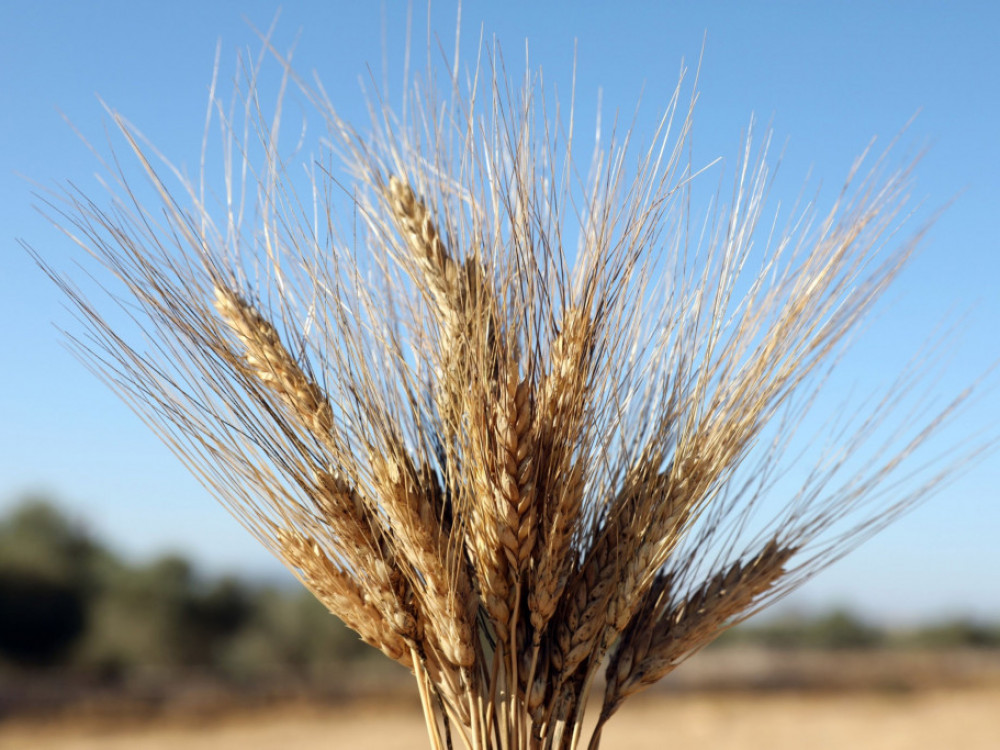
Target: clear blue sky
828, 76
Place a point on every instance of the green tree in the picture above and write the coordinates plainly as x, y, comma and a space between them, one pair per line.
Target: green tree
48, 570
958, 634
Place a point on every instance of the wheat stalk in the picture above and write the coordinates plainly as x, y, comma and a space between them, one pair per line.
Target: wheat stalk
519, 458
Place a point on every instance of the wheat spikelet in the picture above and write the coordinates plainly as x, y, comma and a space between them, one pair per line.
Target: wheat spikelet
271, 362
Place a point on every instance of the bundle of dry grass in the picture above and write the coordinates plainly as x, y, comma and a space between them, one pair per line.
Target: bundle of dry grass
521, 430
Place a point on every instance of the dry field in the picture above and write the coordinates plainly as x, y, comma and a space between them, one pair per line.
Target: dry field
960, 718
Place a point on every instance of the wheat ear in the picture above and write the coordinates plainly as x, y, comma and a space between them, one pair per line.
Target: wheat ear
514, 479
451, 289
645, 526
437, 570
366, 548
502, 519
664, 631
342, 595
560, 477
267, 358
415, 224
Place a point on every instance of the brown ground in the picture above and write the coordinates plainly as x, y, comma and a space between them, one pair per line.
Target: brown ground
724, 700
964, 718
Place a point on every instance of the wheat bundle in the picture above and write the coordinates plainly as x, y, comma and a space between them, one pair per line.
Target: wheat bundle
514, 467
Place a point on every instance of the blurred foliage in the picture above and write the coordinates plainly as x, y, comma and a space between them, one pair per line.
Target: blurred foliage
837, 630
841, 630
960, 634
49, 571
70, 605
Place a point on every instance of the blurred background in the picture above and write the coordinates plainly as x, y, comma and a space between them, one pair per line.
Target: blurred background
125, 590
